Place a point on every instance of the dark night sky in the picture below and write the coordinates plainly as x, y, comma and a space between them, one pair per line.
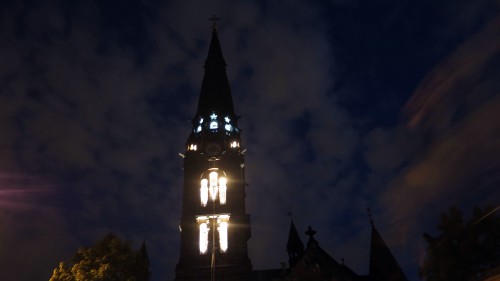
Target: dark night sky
345, 104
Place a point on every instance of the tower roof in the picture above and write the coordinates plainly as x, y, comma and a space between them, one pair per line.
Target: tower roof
294, 243
215, 91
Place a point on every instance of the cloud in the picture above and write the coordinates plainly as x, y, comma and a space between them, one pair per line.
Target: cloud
458, 161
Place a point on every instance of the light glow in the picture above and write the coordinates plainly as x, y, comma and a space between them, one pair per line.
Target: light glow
235, 144
192, 147
198, 129
228, 127
214, 125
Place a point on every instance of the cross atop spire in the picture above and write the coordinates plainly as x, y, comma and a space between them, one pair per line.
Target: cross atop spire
370, 215
214, 19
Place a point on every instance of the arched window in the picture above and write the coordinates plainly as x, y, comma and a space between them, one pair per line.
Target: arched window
213, 186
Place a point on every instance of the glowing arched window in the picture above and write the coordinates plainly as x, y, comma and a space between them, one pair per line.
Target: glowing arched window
213, 185
214, 125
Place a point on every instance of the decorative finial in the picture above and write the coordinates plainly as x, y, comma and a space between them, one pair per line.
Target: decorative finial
214, 19
370, 215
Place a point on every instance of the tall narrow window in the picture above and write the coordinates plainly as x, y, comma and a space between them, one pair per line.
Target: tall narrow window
222, 190
204, 229
204, 192
223, 236
213, 185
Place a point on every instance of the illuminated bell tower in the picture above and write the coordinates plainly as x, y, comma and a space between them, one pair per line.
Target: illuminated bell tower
214, 225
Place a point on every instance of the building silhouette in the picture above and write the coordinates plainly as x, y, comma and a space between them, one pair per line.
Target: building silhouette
215, 227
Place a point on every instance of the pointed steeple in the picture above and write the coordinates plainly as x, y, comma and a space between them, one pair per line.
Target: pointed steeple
383, 265
294, 246
215, 91
143, 262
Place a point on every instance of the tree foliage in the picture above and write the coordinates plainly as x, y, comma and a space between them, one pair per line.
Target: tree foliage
110, 259
463, 250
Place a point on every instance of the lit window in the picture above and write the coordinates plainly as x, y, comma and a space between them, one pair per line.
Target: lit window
214, 125
228, 127
222, 190
223, 236
198, 129
193, 147
235, 144
204, 222
204, 192
204, 229
213, 116
226, 119
213, 185
201, 120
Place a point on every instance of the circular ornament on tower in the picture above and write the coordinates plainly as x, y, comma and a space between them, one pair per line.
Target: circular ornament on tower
213, 149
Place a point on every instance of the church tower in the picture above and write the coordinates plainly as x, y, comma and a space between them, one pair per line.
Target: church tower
214, 225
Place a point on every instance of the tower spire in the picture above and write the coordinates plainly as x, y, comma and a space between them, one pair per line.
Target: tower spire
294, 246
215, 93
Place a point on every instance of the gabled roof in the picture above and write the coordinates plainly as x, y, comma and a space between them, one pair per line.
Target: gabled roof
316, 264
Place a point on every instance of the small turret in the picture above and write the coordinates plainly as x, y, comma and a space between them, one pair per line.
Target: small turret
294, 246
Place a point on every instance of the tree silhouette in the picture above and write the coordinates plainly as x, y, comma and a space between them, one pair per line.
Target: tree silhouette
110, 259
463, 251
